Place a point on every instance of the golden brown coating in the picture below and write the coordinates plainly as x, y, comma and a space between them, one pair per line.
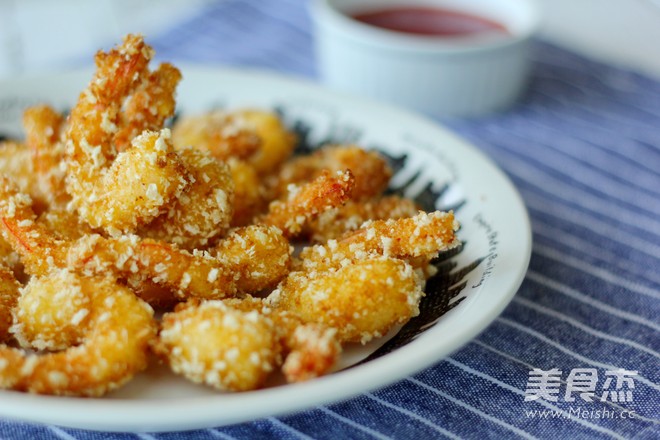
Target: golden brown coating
259, 257
43, 129
8, 300
304, 203
39, 249
277, 142
109, 212
149, 106
195, 274
94, 119
308, 350
119, 192
202, 213
114, 332
362, 300
48, 316
224, 135
219, 346
231, 270
371, 171
335, 223
64, 225
249, 192
138, 186
421, 236
16, 164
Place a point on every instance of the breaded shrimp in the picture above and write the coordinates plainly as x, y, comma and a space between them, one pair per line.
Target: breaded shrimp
195, 274
308, 201
308, 350
8, 300
136, 188
371, 171
421, 236
259, 256
39, 249
335, 223
121, 192
43, 127
231, 270
362, 300
277, 142
201, 214
149, 106
225, 135
113, 333
219, 346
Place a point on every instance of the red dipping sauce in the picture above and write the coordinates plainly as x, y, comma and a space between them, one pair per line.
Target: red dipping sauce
429, 21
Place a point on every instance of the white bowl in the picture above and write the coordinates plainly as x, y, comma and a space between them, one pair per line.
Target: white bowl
440, 76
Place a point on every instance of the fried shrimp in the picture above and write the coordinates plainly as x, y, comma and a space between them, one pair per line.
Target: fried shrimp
308, 350
149, 106
195, 274
277, 142
362, 300
94, 119
259, 256
137, 187
235, 344
203, 212
308, 201
421, 236
370, 169
219, 346
8, 300
43, 127
249, 192
335, 223
16, 164
39, 249
108, 213
106, 341
247, 261
224, 135
118, 192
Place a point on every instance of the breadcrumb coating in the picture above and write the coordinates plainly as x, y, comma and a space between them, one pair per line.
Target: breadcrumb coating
225, 135
370, 170
114, 336
9, 292
362, 300
43, 128
308, 201
421, 236
335, 223
219, 346
108, 213
202, 213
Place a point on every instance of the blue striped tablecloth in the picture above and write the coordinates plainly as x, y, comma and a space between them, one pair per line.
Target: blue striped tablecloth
583, 148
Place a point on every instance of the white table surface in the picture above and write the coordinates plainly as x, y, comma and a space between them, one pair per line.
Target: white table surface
39, 35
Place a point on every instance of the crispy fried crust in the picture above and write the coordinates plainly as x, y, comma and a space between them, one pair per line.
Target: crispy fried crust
114, 329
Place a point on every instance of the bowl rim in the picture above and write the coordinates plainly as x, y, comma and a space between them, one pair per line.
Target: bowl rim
325, 14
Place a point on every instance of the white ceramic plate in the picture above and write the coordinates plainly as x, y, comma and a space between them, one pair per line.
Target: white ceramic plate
432, 163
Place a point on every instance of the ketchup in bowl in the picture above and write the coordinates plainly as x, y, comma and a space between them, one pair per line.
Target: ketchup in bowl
429, 21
